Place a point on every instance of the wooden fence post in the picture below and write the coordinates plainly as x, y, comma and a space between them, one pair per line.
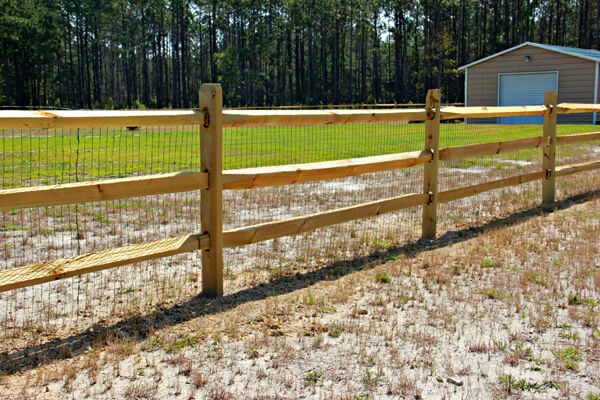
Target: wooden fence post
430, 174
211, 199
549, 162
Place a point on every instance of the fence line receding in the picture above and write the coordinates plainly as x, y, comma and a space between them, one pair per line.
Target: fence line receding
212, 180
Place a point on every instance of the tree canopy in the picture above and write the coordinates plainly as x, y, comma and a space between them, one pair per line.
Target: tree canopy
155, 53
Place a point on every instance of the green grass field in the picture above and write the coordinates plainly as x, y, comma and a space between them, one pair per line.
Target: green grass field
49, 157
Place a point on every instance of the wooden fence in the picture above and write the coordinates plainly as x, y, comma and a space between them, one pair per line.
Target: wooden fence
213, 180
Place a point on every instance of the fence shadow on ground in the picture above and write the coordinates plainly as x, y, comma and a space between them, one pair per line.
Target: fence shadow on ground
139, 327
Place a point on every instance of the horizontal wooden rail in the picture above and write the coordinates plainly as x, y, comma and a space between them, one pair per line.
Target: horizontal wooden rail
337, 106
102, 190
468, 191
576, 108
294, 226
564, 170
49, 271
95, 119
458, 152
249, 178
234, 118
489, 112
582, 137
113, 189
55, 119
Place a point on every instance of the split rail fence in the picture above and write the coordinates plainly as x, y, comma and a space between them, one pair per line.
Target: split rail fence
213, 180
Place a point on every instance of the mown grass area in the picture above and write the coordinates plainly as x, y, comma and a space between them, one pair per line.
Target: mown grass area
47, 157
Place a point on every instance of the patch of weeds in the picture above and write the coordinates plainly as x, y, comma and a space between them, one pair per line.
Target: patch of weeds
310, 300
490, 263
575, 299
519, 352
492, 293
326, 309
314, 329
558, 262
383, 244
402, 300
126, 291
597, 334
535, 360
457, 269
10, 228
569, 335
217, 337
510, 383
569, 356
99, 217
127, 348
565, 326
592, 396
383, 277
534, 276
153, 344
552, 385
252, 351
371, 360
500, 346
371, 380
591, 302
312, 378
178, 344
187, 341
335, 332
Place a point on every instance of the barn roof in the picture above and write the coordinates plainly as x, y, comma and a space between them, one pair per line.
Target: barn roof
586, 54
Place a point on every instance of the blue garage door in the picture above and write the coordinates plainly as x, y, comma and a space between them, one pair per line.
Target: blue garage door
525, 89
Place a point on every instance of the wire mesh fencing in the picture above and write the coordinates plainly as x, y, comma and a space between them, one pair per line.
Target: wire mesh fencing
479, 209
31, 235
302, 144
484, 207
46, 157
575, 153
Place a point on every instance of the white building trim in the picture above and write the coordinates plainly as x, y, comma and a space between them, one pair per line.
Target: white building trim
538, 45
